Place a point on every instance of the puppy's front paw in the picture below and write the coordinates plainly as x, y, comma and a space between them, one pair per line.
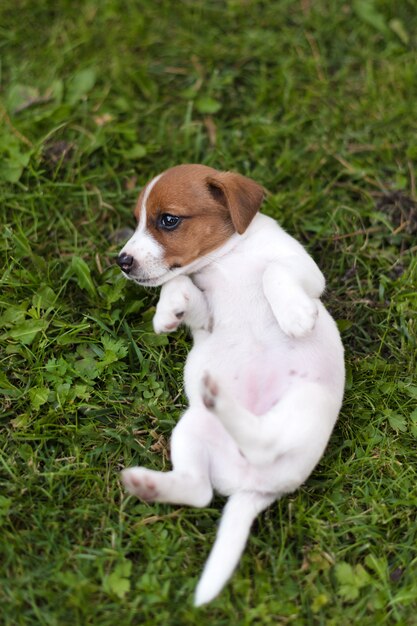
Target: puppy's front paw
299, 317
140, 482
172, 305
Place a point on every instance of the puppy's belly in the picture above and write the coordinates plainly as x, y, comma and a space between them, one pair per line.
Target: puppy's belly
256, 375
261, 383
258, 364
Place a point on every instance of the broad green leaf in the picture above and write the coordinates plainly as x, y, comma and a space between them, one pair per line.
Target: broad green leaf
62, 392
56, 89
344, 573
13, 315
26, 452
87, 368
118, 582
411, 390
21, 421
378, 565
44, 298
14, 157
349, 592
6, 385
82, 273
21, 96
82, 391
80, 84
207, 105
344, 325
38, 397
135, 153
362, 577
27, 330
398, 28
319, 602
368, 13
56, 368
351, 580
117, 347
396, 421
113, 292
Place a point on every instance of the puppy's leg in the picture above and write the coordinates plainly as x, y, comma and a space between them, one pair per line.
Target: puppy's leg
303, 418
175, 487
240, 423
188, 482
292, 287
181, 302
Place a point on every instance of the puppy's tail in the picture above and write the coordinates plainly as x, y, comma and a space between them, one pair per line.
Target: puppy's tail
238, 515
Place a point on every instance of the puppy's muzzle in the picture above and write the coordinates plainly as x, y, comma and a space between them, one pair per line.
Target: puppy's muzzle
125, 262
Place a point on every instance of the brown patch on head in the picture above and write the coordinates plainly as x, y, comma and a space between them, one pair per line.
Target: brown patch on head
211, 206
242, 197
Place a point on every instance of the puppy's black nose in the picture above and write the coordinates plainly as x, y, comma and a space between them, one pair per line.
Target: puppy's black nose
125, 262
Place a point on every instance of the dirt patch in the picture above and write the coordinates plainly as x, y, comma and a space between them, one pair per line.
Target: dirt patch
401, 210
57, 153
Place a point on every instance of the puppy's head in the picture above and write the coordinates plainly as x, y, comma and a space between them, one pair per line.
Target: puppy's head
183, 215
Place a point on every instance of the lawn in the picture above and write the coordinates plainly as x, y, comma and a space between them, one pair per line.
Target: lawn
318, 102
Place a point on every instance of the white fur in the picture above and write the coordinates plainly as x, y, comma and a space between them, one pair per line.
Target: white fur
264, 380
143, 247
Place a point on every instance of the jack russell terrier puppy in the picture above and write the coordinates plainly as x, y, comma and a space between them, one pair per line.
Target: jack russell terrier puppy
265, 376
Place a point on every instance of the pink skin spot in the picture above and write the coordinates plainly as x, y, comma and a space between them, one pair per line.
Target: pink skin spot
145, 488
263, 389
299, 374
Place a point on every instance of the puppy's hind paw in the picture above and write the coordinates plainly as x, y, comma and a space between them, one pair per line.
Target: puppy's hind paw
209, 391
221, 403
140, 482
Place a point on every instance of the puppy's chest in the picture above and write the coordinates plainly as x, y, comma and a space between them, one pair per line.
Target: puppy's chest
235, 303
232, 283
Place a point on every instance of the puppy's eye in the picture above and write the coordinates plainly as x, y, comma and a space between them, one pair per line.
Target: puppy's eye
166, 221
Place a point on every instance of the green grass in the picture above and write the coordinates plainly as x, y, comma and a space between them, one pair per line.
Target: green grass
318, 102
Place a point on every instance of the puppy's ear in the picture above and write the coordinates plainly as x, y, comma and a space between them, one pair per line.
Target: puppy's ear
241, 196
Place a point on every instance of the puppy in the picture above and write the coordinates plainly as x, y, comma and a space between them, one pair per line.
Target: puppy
265, 376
